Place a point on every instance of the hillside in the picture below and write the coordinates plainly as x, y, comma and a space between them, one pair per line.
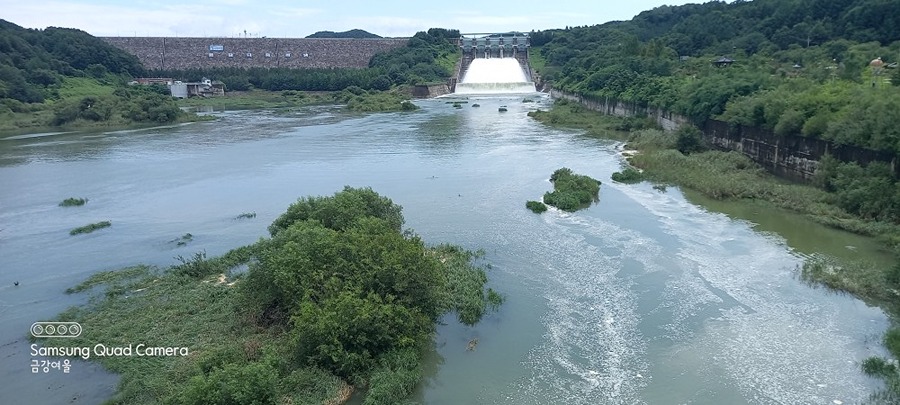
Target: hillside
33, 62
66, 77
808, 52
355, 33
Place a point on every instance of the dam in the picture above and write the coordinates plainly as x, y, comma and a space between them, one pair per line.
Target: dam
158, 53
494, 64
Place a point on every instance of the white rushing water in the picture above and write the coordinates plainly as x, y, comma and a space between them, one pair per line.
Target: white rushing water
495, 76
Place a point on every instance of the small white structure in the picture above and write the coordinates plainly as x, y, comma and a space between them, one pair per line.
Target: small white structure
179, 89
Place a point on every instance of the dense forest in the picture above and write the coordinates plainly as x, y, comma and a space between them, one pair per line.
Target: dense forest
801, 66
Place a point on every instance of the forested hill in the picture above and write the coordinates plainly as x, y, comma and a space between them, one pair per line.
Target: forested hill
718, 27
801, 66
33, 62
356, 33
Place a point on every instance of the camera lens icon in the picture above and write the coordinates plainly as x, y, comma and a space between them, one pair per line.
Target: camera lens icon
56, 329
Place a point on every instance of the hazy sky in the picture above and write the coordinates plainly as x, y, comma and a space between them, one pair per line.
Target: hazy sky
284, 18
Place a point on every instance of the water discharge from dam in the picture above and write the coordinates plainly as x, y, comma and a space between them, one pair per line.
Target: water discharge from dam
495, 76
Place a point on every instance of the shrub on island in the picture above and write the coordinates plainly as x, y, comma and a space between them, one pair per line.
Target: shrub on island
536, 206
571, 191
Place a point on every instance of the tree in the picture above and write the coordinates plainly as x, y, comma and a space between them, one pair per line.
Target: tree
689, 139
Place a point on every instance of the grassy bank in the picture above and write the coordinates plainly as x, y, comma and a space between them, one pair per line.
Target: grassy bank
566, 114
80, 103
355, 98
259, 99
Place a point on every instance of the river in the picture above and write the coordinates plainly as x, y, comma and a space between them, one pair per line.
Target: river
645, 297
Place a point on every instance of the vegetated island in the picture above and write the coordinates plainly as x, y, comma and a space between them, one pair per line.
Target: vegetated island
73, 202
339, 298
571, 192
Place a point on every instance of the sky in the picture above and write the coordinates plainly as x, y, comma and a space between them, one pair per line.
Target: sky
285, 18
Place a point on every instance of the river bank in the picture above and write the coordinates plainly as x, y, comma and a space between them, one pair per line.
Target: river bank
39, 118
732, 177
355, 99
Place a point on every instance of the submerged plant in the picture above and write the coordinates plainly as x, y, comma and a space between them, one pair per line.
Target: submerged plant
90, 227
183, 240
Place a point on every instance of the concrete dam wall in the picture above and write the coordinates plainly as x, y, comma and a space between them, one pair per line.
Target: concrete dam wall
295, 53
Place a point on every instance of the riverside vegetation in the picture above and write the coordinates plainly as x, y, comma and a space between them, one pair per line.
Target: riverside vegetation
339, 298
681, 158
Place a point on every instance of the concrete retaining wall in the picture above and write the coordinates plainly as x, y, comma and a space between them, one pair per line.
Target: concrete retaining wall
666, 119
192, 53
432, 90
793, 157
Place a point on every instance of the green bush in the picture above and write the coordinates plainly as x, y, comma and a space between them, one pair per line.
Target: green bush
628, 175
395, 379
878, 367
341, 210
253, 383
73, 202
689, 139
536, 206
571, 191
892, 341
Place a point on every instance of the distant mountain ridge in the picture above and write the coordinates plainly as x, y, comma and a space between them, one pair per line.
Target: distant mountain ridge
354, 33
